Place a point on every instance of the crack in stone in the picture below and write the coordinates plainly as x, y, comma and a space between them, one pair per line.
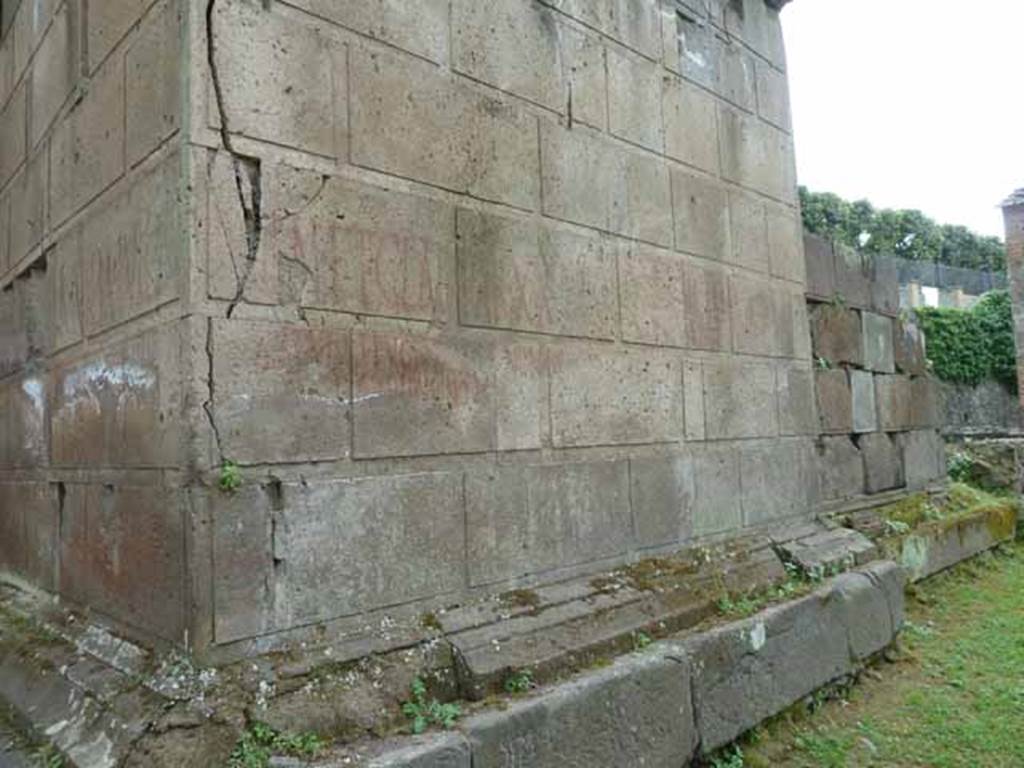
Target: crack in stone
247, 170
208, 405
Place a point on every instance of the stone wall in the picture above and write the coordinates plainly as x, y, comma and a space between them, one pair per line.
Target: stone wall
475, 295
1013, 217
879, 409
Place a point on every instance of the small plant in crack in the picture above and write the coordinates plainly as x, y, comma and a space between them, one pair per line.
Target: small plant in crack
424, 713
519, 682
230, 477
261, 742
641, 640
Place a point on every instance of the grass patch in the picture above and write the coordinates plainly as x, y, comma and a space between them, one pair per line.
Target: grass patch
261, 742
953, 699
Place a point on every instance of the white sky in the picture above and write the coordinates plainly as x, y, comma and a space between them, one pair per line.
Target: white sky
910, 103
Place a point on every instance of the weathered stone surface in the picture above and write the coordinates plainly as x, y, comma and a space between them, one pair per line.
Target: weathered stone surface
122, 406
87, 147
634, 99
12, 134
924, 457
106, 24
607, 397
796, 392
785, 244
636, 27
745, 672
701, 215
865, 411
691, 133
418, 26
282, 88
717, 505
153, 83
779, 479
122, 554
761, 324
55, 67
439, 750
892, 397
821, 271
826, 552
883, 462
908, 347
757, 24
878, 349
853, 277
591, 181
706, 305
926, 404
835, 402
693, 400
63, 272
29, 532
318, 555
651, 291
415, 394
516, 274
481, 145
27, 208
529, 519
358, 248
840, 468
280, 392
756, 155
934, 547
133, 250
638, 706
773, 96
748, 231
662, 496
836, 334
24, 418
885, 287
740, 399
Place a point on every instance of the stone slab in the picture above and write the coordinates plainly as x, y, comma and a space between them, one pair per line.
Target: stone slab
798, 414
662, 498
885, 287
927, 404
878, 343
701, 215
779, 479
691, 132
853, 277
756, 155
893, 399
924, 458
636, 27
840, 468
748, 671
24, 422
836, 334
829, 552
835, 401
634, 96
483, 146
785, 244
740, 399
820, 261
748, 232
934, 547
865, 409
652, 291
436, 750
153, 83
706, 304
908, 347
280, 392
638, 706
883, 462
28, 532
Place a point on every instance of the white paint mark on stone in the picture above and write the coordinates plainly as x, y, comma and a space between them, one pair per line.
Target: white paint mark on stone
758, 636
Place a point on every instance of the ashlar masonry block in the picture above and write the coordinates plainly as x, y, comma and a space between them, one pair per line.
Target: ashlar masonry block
878, 341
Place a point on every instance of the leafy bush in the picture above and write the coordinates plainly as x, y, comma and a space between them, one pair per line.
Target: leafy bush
969, 346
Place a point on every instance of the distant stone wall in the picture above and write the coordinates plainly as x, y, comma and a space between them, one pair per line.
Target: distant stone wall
879, 409
988, 409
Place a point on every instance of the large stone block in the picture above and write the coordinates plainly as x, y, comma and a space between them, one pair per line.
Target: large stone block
638, 707
796, 392
865, 409
651, 291
756, 155
28, 532
634, 26
757, 24
885, 287
785, 243
280, 392
437, 750
28, 200
122, 406
24, 419
279, 80
779, 479
927, 408
325, 549
13, 332
706, 304
524, 520
761, 319
417, 26
701, 215
924, 457
518, 274
740, 399
153, 82
883, 462
717, 503
481, 145
12, 135
415, 395
352, 247
606, 397
773, 96
87, 147
590, 181
893, 399
821, 271
840, 468
691, 124
133, 250
662, 495
106, 24
853, 277
123, 554
878, 338
835, 401
836, 334
64, 303
693, 400
749, 232
55, 66
908, 347
521, 375
634, 99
